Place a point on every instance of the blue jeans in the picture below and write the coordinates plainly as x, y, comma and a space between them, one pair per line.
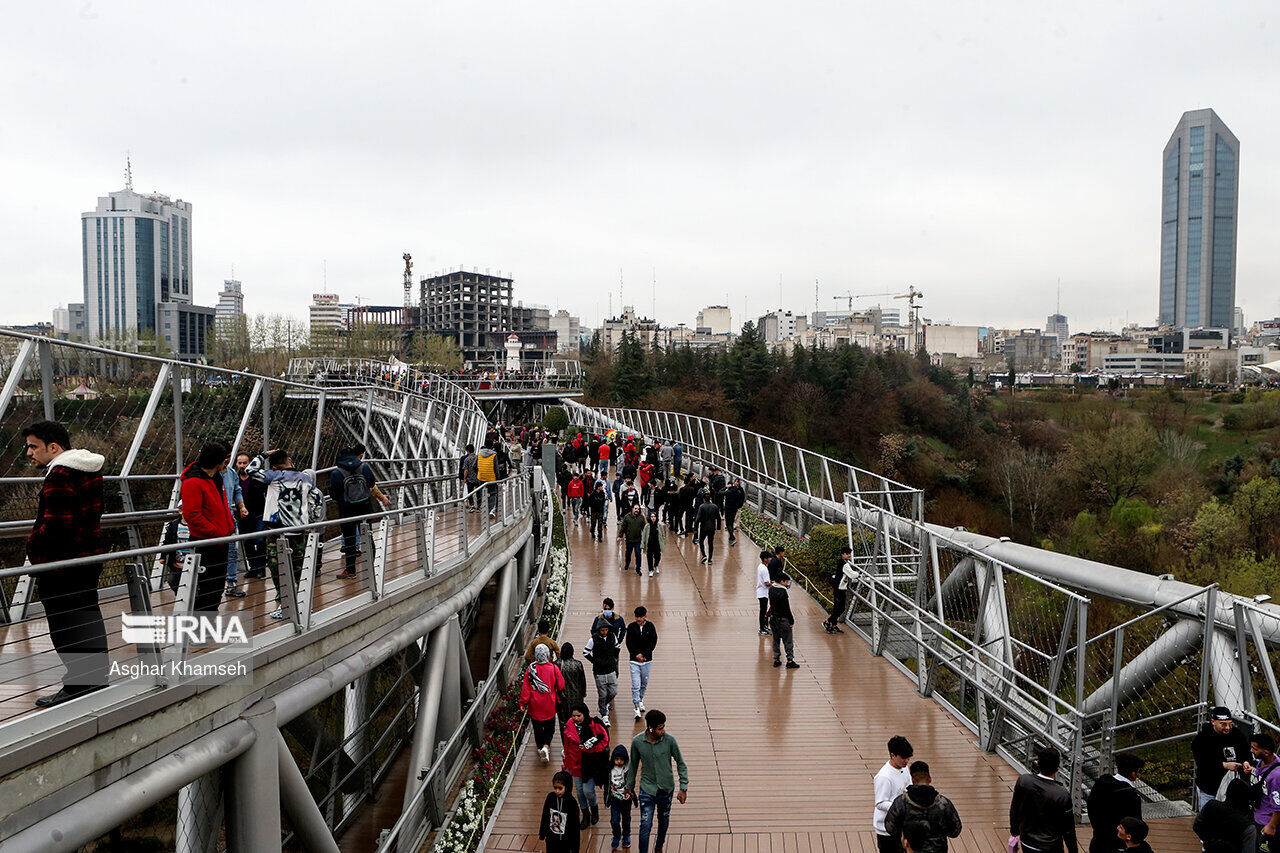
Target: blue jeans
233, 557
586, 793
620, 822
631, 548
604, 467
639, 680
648, 802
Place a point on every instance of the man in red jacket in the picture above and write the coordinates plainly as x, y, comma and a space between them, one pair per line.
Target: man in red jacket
207, 516
68, 525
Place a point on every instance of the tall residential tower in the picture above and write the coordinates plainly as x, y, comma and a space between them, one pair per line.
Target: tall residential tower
1198, 223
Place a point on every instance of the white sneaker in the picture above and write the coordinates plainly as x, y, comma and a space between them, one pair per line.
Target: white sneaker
545, 754
638, 714
605, 720
277, 614
651, 573
642, 708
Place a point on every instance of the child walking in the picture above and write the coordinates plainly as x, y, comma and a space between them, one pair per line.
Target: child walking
559, 826
620, 803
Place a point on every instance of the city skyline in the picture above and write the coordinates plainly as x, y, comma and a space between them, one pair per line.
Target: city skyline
931, 164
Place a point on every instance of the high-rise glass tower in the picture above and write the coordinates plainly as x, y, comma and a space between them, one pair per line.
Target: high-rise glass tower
1198, 223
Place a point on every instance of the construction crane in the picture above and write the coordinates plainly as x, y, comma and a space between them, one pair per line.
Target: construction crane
911, 296
849, 297
408, 285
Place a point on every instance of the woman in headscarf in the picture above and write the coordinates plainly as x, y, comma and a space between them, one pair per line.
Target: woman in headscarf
543, 683
575, 684
586, 758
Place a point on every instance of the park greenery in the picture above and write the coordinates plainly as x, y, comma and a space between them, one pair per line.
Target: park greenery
1162, 480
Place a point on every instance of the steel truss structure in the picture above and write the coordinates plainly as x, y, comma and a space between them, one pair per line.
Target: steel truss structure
352, 671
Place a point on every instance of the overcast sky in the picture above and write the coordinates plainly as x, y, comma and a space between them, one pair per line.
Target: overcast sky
979, 151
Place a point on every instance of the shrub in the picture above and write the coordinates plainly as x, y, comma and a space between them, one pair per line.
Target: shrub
556, 419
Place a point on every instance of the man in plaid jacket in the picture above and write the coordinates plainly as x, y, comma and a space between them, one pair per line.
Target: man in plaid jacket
67, 525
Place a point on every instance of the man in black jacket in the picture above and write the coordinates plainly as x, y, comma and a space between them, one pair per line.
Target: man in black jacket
1112, 798
1218, 748
734, 498
602, 650
1040, 812
642, 638
922, 802
839, 592
598, 506
708, 519
684, 510
781, 620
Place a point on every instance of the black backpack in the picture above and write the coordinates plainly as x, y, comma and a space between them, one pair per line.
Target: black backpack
355, 488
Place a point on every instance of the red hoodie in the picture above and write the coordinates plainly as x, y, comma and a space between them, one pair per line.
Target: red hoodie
204, 505
575, 488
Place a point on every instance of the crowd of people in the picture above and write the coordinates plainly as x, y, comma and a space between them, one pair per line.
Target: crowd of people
554, 692
1237, 770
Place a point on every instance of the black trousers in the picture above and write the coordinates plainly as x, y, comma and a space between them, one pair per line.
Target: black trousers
253, 551
654, 558
730, 519
76, 629
350, 537
543, 730
839, 600
888, 844
212, 577
764, 613
709, 537
597, 525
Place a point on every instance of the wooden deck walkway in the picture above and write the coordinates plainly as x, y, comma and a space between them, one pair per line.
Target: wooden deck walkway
780, 761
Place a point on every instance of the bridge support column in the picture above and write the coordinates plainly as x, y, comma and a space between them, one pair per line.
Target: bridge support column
422, 751
253, 798
504, 607
355, 705
200, 814
308, 824
1229, 687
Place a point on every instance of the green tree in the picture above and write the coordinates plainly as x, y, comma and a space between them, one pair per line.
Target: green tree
630, 372
1116, 463
1257, 505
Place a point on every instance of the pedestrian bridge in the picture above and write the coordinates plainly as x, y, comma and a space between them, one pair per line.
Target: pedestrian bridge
375, 688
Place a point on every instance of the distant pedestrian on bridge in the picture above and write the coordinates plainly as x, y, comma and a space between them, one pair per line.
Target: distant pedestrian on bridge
708, 521
207, 516
649, 777
922, 803
1113, 797
603, 453
642, 639
782, 621
598, 506
763, 581
353, 488
67, 525
734, 499
890, 781
839, 591
1219, 748
652, 541
468, 473
1040, 813
666, 456
677, 457
293, 500
630, 532
602, 650
541, 688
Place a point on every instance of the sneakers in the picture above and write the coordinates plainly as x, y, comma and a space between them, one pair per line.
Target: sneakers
544, 753
651, 573
234, 591
835, 629
605, 720
277, 614
642, 707
657, 571
346, 575
638, 714
763, 633
777, 662
791, 665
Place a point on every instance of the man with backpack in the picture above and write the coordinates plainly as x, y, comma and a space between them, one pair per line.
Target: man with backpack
492, 466
921, 802
468, 473
293, 500
354, 489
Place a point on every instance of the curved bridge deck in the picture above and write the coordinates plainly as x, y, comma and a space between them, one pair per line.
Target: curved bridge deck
779, 760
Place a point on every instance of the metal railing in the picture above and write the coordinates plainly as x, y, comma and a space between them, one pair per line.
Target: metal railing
561, 376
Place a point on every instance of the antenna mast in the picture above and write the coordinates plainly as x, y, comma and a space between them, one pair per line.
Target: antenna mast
128, 171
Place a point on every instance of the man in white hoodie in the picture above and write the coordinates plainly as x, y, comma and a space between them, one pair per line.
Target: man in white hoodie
67, 525
892, 779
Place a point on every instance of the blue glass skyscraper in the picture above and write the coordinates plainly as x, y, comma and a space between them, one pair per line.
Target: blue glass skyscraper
1198, 223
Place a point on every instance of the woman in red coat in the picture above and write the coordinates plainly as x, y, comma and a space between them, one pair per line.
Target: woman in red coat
586, 758
543, 682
